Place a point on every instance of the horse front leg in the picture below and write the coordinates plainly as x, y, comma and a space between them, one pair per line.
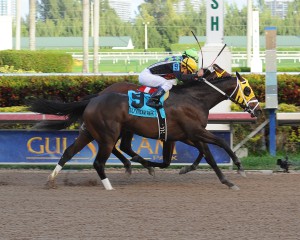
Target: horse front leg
211, 161
168, 148
208, 137
125, 146
82, 140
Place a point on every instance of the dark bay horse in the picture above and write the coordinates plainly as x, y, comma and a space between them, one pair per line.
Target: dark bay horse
187, 110
84, 138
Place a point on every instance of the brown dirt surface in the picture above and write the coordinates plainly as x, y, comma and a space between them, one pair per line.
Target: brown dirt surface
170, 206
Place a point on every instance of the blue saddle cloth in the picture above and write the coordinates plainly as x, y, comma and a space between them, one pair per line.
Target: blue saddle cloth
137, 105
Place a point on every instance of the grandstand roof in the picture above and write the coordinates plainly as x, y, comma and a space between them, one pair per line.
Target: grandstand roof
122, 42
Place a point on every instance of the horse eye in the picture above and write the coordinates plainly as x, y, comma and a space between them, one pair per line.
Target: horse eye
247, 91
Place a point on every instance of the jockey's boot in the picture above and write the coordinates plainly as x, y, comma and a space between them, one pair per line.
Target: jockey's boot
154, 99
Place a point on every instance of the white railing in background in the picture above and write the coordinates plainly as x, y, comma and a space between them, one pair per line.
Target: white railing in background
144, 57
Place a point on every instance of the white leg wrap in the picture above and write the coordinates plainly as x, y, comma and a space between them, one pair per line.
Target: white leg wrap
56, 171
106, 184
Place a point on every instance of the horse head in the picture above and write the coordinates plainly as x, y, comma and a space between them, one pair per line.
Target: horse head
245, 97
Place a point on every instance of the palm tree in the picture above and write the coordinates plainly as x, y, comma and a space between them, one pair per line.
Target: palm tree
85, 16
96, 35
32, 13
18, 24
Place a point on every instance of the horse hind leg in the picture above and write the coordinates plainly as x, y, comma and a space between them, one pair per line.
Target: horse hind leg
99, 163
124, 160
192, 167
168, 148
125, 146
82, 140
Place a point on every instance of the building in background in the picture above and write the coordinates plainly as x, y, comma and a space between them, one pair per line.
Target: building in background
7, 14
278, 7
123, 8
180, 6
8, 8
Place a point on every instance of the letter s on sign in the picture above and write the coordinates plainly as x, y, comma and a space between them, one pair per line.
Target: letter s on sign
214, 5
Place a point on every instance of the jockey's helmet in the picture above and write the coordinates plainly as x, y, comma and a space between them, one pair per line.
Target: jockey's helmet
190, 64
191, 53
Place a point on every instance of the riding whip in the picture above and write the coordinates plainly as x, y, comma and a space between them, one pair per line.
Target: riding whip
199, 47
216, 57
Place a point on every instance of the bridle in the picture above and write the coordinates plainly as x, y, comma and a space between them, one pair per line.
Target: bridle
241, 98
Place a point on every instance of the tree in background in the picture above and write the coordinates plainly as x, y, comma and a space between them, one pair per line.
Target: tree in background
63, 18
59, 18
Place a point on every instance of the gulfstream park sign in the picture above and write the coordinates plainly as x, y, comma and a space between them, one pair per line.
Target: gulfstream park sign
46, 147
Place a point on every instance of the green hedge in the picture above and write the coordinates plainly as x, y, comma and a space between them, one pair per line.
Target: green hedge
38, 61
14, 89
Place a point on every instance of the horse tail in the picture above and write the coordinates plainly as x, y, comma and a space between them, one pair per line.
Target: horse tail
73, 111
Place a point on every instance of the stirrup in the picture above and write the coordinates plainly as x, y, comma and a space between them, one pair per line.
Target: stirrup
153, 103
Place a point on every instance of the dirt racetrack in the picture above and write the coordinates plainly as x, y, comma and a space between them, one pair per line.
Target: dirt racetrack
170, 206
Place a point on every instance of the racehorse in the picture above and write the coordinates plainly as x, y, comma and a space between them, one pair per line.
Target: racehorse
84, 138
189, 103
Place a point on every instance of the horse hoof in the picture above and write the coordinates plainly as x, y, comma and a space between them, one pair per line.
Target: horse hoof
184, 170
151, 171
50, 184
128, 172
234, 187
242, 173
135, 159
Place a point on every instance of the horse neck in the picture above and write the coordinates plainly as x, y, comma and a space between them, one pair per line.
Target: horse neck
202, 92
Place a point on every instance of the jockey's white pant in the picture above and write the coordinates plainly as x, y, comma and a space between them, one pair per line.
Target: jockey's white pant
150, 80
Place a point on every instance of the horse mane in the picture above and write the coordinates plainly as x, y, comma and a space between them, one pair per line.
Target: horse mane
191, 84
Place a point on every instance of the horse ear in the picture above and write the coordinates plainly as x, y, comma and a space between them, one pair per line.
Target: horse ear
238, 75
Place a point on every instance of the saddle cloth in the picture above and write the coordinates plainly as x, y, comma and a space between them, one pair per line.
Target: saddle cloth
137, 105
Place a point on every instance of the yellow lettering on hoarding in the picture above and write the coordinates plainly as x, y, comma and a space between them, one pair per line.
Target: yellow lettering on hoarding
47, 146
145, 145
64, 144
29, 146
93, 149
159, 145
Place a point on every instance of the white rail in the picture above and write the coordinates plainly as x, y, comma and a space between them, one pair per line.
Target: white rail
143, 57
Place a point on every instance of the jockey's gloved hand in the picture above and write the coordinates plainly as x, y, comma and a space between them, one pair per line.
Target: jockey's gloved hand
200, 72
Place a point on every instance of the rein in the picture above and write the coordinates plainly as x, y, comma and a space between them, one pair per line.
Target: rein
238, 86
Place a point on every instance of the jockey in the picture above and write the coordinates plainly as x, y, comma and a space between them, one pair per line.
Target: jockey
191, 53
165, 74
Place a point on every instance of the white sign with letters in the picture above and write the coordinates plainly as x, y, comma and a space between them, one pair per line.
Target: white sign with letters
214, 22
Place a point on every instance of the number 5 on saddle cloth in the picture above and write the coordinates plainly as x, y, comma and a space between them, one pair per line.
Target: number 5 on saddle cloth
137, 107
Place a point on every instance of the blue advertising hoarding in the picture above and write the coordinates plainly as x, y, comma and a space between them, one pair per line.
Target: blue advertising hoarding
46, 147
